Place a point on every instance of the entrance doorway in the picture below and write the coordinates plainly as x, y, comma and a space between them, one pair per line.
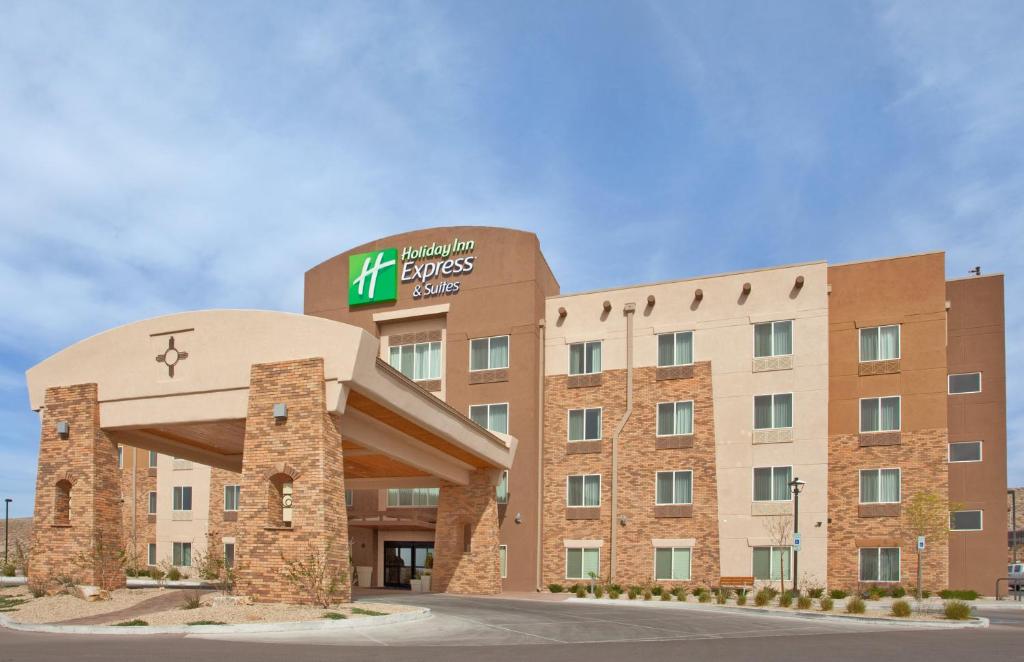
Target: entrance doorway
402, 560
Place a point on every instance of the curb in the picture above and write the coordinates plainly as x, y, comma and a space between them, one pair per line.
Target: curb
973, 622
241, 628
13, 581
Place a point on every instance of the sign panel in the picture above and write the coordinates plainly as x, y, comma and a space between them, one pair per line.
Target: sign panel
797, 540
373, 277
433, 270
920, 543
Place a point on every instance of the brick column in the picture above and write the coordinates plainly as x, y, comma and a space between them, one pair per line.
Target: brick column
471, 511
304, 449
80, 537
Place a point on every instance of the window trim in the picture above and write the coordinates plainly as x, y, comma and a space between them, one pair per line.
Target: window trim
949, 452
600, 424
673, 502
582, 549
675, 405
674, 364
860, 414
899, 566
568, 358
689, 569
182, 488
753, 485
508, 411
584, 476
238, 498
503, 572
792, 413
949, 383
878, 331
508, 344
879, 470
771, 549
981, 518
753, 338
440, 363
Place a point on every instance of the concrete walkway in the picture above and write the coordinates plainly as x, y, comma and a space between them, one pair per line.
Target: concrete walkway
169, 600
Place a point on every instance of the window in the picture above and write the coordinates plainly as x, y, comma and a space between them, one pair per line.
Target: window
153, 455
492, 417
880, 343
231, 495
349, 498
675, 349
182, 498
672, 563
417, 361
585, 358
229, 555
770, 562
772, 483
584, 491
181, 554
120, 457
674, 488
152, 503
773, 411
502, 489
584, 424
965, 520
880, 414
880, 486
880, 564
968, 382
675, 418
581, 561
773, 339
503, 560
965, 451
488, 353
151, 553
423, 497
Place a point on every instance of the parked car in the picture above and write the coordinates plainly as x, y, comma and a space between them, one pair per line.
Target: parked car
1015, 571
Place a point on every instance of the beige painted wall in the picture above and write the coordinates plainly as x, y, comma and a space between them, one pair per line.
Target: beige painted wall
170, 529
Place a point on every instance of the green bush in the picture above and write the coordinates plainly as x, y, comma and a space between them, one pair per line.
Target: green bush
925, 593
632, 593
173, 574
8, 570
837, 594
613, 593
957, 610
815, 593
191, 601
334, 616
803, 602
958, 595
679, 592
580, 592
37, 589
556, 588
599, 591
217, 622
704, 597
656, 590
647, 594
665, 596
855, 605
786, 599
741, 598
825, 603
367, 612
762, 598
617, 587
132, 623
874, 593
897, 591
901, 608
772, 592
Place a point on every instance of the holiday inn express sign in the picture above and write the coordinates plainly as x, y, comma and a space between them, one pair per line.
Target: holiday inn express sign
373, 277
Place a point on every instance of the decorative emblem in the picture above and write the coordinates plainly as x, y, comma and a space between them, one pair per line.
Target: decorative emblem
171, 357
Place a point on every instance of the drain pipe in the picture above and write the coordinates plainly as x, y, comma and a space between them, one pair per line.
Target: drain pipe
628, 310
135, 534
540, 454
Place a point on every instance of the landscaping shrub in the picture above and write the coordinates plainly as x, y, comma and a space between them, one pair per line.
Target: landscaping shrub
741, 598
37, 589
217, 622
958, 595
837, 594
599, 591
925, 593
191, 601
721, 595
772, 592
957, 610
580, 592
786, 599
173, 574
704, 597
666, 596
647, 594
679, 592
156, 573
897, 591
825, 603
901, 608
11, 603
873, 593
556, 588
803, 602
815, 593
632, 593
762, 598
8, 570
613, 594
334, 616
855, 605
367, 612
132, 623
656, 590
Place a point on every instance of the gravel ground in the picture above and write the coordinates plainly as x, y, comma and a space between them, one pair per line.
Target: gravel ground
65, 607
258, 613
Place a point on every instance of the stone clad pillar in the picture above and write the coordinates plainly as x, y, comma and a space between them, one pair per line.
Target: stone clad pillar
77, 529
466, 542
297, 456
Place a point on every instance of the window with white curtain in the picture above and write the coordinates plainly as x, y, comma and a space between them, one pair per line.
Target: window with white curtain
585, 424
880, 343
494, 417
488, 353
880, 414
585, 358
580, 562
773, 411
501, 492
880, 564
968, 382
880, 486
584, 491
770, 562
673, 488
773, 339
417, 361
965, 520
772, 483
672, 563
231, 495
675, 349
675, 418
423, 497
181, 554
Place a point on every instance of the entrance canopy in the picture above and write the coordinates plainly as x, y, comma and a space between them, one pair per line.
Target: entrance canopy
179, 385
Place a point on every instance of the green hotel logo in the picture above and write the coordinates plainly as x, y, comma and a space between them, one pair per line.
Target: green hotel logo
373, 277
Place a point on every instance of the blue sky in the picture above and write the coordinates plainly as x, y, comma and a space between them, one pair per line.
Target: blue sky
162, 157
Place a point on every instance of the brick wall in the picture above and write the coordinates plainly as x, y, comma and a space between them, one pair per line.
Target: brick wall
460, 509
144, 532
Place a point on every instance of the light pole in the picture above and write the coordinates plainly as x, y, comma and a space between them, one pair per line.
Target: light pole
1013, 519
7, 520
797, 485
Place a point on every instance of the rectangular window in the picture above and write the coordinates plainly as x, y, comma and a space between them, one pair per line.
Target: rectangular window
503, 560
349, 498
151, 553
502, 489
672, 563
181, 554
675, 418
493, 417
772, 483
880, 414
965, 451
423, 497
880, 343
488, 353
880, 486
880, 564
584, 424
584, 491
231, 495
581, 561
965, 520
182, 498
120, 457
770, 562
153, 455
773, 411
417, 361
152, 503
673, 488
968, 382
229, 555
675, 349
585, 358
773, 339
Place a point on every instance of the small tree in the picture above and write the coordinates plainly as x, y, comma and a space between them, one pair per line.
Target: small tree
780, 530
317, 576
926, 514
104, 561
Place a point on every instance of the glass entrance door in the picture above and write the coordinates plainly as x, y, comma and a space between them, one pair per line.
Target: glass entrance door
403, 560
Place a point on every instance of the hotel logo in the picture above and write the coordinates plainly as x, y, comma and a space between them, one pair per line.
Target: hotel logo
373, 277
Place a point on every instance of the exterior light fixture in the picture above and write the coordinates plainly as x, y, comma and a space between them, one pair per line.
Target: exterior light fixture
607, 305
63, 428
698, 294
562, 312
519, 518
280, 411
746, 288
799, 282
650, 299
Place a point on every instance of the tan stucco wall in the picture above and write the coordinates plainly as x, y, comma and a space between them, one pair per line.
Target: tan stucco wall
170, 530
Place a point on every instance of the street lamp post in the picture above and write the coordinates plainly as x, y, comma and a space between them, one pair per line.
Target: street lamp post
797, 485
1013, 519
7, 522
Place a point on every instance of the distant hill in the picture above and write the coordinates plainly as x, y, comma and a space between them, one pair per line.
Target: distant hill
21, 530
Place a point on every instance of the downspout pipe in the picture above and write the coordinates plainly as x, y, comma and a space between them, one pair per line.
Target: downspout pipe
628, 310
540, 456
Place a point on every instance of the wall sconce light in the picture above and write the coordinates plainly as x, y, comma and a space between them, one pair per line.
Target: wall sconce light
63, 429
650, 299
519, 518
799, 282
562, 312
746, 288
280, 411
698, 294
607, 305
